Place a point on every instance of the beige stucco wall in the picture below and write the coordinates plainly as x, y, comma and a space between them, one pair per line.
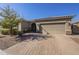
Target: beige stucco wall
66, 22
68, 29
78, 24
51, 22
19, 27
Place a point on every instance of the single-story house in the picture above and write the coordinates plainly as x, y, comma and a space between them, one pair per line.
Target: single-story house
49, 25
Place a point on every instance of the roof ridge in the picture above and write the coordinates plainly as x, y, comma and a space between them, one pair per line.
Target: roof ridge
53, 18
58, 16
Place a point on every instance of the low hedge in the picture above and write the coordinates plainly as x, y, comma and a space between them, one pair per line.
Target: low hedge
5, 31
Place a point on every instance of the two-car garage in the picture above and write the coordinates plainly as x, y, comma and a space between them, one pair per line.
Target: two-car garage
56, 28
55, 25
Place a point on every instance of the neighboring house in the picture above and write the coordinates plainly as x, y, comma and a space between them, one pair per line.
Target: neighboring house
75, 28
76, 23
50, 25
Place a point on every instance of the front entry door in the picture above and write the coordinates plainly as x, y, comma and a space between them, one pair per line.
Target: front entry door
33, 27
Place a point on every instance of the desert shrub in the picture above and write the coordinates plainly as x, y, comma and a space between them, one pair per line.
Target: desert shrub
20, 33
5, 31
26, 31
15, 31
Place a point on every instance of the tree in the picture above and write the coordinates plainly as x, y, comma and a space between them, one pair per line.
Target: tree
10, 18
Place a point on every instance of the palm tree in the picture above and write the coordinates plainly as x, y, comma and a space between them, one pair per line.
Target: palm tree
10, 18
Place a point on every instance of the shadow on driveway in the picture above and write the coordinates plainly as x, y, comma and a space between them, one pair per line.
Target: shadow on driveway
33, 36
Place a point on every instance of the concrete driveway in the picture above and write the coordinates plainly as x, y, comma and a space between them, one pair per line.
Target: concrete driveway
55, 45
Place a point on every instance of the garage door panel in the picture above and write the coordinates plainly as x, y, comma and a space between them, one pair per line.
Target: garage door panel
54, 28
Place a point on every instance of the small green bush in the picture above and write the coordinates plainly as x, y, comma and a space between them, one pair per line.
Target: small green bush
27, 31
15, 31
5, 31
20, 33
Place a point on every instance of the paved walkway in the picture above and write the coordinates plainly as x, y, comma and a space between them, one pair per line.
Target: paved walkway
3, 53
55, 45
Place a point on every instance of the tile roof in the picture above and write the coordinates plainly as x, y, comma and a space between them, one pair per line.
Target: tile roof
53, 18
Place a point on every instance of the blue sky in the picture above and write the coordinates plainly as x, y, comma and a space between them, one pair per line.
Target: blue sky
31, 11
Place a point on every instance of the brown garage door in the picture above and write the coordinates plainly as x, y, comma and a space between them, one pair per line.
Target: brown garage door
54, 28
